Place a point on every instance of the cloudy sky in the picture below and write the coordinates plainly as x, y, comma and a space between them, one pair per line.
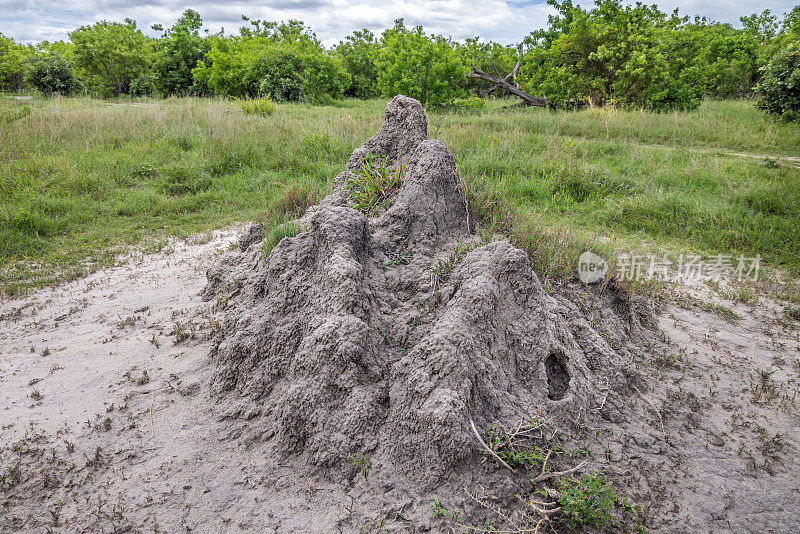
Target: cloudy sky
498, 20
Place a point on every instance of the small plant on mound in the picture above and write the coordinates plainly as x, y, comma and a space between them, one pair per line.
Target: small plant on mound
590, 501
375, 183
361, 462
529, 443
276, 229
444, 267
257, 106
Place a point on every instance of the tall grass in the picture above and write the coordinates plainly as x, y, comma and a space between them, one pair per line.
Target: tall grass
81, 179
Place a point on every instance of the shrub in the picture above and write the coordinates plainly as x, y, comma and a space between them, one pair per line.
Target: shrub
12, 69
324, 79
144, 85
277, 70
50, 74
358, 52
780, 86
256, 106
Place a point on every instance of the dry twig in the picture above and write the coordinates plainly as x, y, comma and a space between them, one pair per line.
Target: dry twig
490, 451
545, 476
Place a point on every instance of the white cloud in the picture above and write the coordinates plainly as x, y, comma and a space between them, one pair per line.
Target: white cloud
332, 20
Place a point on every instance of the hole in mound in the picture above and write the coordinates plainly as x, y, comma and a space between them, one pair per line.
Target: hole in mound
557, 377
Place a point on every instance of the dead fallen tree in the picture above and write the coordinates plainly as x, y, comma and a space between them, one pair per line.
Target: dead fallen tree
501, 83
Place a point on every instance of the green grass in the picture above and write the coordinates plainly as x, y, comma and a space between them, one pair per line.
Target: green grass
81, 179
259, 106
374, 184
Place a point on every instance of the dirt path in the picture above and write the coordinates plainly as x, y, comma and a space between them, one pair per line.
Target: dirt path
789, 160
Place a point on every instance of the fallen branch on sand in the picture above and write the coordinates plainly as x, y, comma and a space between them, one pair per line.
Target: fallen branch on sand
490, 451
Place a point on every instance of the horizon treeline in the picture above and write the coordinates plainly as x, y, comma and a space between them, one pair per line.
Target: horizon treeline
609, 54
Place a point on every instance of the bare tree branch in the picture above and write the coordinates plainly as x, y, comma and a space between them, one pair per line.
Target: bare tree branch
503, 84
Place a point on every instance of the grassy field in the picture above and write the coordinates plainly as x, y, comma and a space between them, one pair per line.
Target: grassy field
82, 179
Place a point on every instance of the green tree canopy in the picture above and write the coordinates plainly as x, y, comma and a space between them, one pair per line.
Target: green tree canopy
421, 66
261, 63
177, 53
637, 55
359, 52
111, 54
780, 87
12, 56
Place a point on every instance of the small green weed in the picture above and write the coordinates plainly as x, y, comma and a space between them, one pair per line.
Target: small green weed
764, 390
11, 477
528, 443
590, 501
96, 458
398, 258
362, 463
438, 510
445, 266
792, 312
179, 332
386, 333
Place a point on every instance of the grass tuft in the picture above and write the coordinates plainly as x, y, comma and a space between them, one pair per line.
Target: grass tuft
276, 230
257, 106
373, 186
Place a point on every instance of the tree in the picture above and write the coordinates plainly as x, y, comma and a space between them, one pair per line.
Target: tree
637, 56
111, 54
11, 64
323, 78
358, 53
489, 57
418, 65
50, 73
764, 26
713, 59
177, 53
780, 87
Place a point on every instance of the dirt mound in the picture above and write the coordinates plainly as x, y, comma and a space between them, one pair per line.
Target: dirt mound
389, 335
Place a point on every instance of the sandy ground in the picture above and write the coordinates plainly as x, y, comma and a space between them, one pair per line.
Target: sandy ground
107, 425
